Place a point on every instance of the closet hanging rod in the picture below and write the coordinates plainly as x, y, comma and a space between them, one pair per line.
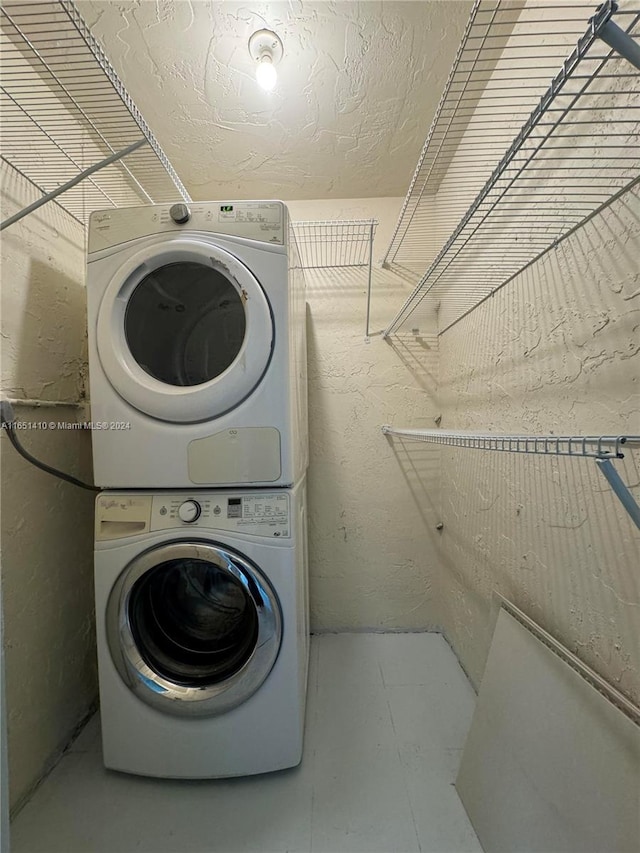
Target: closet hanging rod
621, 42
605, 466
72, 183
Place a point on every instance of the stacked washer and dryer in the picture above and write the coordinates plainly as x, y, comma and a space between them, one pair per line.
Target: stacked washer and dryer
197, 359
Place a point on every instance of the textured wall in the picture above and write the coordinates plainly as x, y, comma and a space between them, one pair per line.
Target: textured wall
372, 523
556, 351
46, 524
358, 85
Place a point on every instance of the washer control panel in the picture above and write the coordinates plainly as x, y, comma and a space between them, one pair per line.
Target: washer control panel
260, 514
119, 516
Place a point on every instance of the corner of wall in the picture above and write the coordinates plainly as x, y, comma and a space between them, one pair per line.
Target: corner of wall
47, 544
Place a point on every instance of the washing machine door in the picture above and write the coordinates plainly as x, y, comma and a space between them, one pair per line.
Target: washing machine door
184, 331
193, 628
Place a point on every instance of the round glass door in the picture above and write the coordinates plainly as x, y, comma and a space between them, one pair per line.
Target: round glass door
185, 323
193, 628
185, 331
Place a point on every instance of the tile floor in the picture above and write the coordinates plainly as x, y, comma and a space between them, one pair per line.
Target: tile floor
386, 721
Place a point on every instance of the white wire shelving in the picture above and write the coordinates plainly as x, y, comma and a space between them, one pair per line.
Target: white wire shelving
593, 446
334, 243
511, 164
602, 448
67, 119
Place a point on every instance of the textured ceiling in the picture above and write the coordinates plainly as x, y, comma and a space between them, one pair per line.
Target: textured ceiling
357, 89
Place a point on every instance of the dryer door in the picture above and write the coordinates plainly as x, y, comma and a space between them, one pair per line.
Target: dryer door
193, 628
185, 331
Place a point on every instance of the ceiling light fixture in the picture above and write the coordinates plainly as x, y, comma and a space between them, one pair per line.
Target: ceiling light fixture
266, 49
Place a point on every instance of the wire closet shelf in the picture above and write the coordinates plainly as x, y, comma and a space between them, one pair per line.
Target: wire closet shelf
335, 243
602, 448
511, 165
67, 119
592, 446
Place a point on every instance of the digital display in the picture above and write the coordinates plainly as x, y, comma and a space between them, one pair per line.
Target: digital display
226, 208
234, 508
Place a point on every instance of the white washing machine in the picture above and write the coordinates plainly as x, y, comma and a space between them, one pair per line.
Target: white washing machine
197, 348
202, 630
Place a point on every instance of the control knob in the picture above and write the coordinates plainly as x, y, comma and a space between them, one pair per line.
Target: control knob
189, 511
180, 213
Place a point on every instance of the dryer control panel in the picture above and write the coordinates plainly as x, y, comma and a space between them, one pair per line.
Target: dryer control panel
264, 221
119, 516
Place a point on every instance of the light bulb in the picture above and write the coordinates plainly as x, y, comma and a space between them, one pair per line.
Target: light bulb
266, 74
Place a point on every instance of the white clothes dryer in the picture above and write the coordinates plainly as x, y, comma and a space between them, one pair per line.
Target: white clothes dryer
197, 348
202, 631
